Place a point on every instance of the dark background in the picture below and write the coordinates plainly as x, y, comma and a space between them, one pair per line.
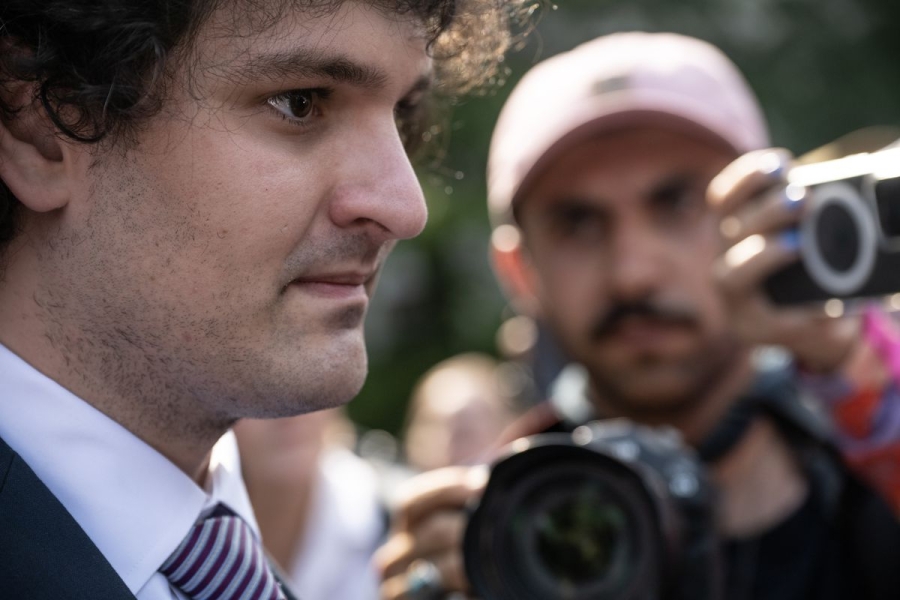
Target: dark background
821, 68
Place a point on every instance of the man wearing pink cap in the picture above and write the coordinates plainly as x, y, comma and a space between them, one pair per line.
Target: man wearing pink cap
597, 187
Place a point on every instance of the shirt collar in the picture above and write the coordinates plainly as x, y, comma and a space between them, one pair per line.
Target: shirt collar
134, 504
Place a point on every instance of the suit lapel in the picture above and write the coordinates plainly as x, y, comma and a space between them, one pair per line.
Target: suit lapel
44, 553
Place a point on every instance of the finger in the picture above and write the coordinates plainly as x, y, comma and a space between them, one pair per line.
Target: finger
776, 209
453, 579
438, 535
442, 489
393, 556
821, 342
743, 268
746, 177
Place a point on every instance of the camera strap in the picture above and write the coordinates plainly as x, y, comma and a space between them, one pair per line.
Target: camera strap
729, 430
772, 391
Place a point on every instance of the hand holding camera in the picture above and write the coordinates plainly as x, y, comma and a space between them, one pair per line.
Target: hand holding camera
428, 528
796, 237
614, 510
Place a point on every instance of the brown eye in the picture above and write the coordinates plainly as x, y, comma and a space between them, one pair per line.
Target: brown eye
300, 103
296, 105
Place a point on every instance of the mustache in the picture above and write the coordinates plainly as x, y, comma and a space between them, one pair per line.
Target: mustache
355, 249
668, 311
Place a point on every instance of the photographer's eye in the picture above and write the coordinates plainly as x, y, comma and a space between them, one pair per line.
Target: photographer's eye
578, 222
297, 106
681, 197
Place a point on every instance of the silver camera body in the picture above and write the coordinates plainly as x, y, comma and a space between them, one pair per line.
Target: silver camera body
850, 232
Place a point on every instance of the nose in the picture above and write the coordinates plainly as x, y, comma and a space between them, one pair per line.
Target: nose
379, 190
636, 269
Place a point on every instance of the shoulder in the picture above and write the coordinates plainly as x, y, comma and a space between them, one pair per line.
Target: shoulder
43, 551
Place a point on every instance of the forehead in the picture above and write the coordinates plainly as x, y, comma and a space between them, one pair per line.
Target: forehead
625, 164
257, 40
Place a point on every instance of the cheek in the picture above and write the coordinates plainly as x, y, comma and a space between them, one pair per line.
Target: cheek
572, 294
697, 269
247, 206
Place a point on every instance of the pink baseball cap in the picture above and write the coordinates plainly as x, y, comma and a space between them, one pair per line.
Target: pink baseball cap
617, 81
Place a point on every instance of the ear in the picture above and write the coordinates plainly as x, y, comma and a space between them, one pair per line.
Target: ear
515, 270
35, 163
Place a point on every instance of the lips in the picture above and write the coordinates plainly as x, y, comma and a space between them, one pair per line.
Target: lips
337, 279
335, 285
649, 334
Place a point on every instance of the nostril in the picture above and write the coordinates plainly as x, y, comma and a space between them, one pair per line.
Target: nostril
396, 212
381, 189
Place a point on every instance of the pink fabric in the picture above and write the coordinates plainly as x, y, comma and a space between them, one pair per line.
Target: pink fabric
884, 337
620, 80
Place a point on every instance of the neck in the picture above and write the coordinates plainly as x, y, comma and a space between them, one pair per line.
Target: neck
154, 419
33, 324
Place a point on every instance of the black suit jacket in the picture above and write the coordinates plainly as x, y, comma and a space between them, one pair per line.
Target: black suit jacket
44, 553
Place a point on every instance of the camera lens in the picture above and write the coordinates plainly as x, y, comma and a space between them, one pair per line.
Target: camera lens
577, 538
838, 237
576, 531
581, 529
581, 537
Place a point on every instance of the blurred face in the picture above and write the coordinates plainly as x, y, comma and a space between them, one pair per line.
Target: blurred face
619, 246
226, 261
456, 420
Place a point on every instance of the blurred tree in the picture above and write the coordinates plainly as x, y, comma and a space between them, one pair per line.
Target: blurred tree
821, 68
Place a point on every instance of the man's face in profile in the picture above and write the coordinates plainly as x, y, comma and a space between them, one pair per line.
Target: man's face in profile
621, 245
228, 257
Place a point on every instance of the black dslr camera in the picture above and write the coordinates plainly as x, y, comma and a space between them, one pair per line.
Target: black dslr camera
613, 511
850, 236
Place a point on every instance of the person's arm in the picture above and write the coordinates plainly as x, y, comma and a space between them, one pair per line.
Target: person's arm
863, 397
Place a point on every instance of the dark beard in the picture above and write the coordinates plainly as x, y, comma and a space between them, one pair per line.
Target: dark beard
712, 366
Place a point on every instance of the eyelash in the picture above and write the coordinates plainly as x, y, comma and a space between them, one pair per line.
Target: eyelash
317, 97
407, 116
404, 112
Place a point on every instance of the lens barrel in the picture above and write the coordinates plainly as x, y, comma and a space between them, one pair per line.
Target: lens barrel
607, 517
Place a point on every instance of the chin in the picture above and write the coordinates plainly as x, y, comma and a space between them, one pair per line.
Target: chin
644, 393
318, 377
305, 396
652, 400
342, 373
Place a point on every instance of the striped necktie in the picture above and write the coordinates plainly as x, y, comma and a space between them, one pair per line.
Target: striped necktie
220, 559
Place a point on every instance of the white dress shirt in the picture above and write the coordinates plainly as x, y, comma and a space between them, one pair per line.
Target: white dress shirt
134, 504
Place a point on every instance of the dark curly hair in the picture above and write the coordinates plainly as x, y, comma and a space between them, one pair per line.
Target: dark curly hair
99, 67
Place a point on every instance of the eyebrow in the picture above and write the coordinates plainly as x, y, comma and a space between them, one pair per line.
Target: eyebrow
672, 183
566, 206
287, 65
